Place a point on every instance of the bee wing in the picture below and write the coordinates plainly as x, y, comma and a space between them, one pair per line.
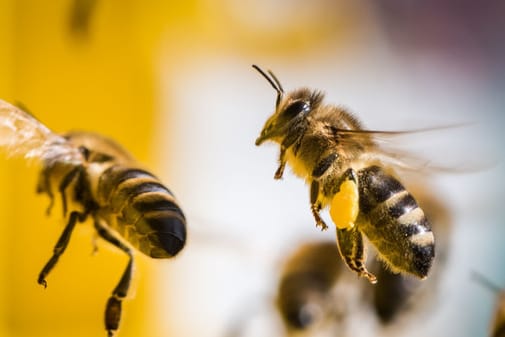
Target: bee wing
21, 134
452, 149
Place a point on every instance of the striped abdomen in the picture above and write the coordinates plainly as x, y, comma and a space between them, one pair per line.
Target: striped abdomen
142, 210
397, 226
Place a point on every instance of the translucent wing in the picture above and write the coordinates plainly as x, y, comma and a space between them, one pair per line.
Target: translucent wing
21, 134
454, 148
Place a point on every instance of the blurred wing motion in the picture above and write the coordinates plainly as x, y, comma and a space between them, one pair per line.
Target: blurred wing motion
458, 148
21, 134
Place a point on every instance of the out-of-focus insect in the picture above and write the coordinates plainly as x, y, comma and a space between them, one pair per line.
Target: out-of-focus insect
497, 327
304, 291
81, 15
97, 178
347, 171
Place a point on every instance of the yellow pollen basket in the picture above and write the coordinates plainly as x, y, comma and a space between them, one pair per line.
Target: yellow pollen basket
345, 205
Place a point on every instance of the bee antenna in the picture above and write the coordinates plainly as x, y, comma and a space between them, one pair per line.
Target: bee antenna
484, 281
274, 82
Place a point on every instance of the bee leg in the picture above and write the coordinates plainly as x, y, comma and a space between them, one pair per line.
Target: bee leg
282, 164
315, 205
113, 307
351, 248
323, 165
292, 140
44, 186
60, 246
67, 180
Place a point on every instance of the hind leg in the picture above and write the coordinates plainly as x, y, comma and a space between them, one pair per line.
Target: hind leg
315, 205
113, 307
351, 248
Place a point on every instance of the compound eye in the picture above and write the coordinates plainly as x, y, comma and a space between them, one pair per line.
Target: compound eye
295, 108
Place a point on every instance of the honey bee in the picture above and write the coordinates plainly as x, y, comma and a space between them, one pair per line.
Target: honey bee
397, 294
97, 178
346, 169
312, 292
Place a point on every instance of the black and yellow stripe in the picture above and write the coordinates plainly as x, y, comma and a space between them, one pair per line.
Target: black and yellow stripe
142, 210
397, 226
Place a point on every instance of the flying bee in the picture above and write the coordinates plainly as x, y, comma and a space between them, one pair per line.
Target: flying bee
313, 292
96, 178
398, 294
347, 171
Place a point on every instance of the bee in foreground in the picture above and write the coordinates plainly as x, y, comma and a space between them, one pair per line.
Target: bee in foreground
347, 171
313, 289
96, 178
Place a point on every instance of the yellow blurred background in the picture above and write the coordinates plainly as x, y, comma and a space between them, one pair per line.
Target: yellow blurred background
99, 79
171, 81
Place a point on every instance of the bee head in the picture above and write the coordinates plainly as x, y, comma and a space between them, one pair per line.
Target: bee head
287, 108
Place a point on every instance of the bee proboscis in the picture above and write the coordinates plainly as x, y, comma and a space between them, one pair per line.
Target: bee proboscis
328, 147
97, 179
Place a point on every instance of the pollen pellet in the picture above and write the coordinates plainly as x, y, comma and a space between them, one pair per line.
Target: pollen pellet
345, 205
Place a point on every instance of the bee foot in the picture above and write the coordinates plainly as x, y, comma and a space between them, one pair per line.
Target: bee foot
280, 170
322, 225
369, 276
42, 282
278, 174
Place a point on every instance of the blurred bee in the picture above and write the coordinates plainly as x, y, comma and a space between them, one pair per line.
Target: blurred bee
497, 327
304, 292
81, 15
347, 171
97, 178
